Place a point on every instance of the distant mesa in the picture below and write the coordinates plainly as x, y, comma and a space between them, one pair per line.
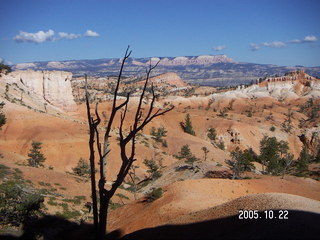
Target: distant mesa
196, 60
22, 66
208, 70
163, 61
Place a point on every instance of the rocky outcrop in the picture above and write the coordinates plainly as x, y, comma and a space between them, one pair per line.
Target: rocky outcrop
310, 138
169, 78
47, 87
218, 174
292, 85
297, 82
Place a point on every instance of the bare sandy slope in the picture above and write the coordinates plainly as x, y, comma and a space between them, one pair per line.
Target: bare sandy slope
260, 202
189, 196
64, 139
60, 185
65, 136
222, 222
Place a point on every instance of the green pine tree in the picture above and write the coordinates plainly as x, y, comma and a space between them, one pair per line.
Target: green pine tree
283, 148
82, 168
241, 161
190, 160
158, 133
187, 125
269, 154
302, 163
185, 152
212, 134
36, 157
153, 168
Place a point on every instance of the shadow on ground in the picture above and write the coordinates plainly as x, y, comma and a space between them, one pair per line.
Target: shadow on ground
300, 225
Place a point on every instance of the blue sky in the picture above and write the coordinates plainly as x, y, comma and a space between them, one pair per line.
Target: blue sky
282, 32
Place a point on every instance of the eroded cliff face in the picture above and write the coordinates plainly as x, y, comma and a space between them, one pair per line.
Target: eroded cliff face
48, 88
293, 85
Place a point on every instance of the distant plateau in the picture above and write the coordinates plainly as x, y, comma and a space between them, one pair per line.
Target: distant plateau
210, 70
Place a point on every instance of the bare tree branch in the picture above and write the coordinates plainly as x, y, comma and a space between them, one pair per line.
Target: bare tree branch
127, 154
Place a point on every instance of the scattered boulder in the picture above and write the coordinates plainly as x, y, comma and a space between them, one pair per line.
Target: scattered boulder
218, 174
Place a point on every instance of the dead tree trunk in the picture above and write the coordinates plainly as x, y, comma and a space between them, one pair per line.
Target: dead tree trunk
127, 154
134, 178
92, 128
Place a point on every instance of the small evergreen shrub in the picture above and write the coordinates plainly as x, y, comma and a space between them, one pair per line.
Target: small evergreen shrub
36, 157
221, 145
82, 169
212, 134
153, 168
154, 194
187, 125
185, 153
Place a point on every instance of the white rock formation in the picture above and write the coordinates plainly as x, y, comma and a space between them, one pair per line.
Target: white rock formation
177, 61
293, 85
47, 87
25, 65
200, 60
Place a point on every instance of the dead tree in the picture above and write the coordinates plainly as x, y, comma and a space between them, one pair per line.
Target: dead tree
127, 152
134, 179
205, 151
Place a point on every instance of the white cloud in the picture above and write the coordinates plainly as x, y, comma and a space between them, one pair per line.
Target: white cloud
42, 36
69, 36
295, 41
38, 37
90, 33
307, 39
254, 47
219, 48
276, 44
280, 44
310, 38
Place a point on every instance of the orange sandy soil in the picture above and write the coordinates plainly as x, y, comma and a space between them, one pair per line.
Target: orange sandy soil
65, 140
190, 196
66, 186
65, 137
